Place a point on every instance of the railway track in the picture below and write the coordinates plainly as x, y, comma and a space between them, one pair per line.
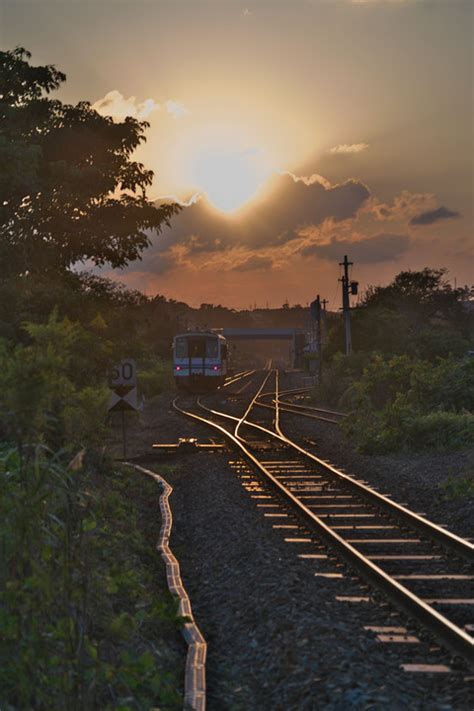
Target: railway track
423, 569
285, 405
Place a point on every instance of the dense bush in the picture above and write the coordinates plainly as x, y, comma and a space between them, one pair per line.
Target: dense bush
81, 622
51, 389
406, 403
154, 376
418, 314
401, 428
339, 376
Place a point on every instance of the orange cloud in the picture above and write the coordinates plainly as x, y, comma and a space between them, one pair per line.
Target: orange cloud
349, 148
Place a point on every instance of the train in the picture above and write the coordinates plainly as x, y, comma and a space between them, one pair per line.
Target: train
200, 361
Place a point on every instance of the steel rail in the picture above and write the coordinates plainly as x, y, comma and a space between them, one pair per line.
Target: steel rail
277, 405
453, 637
285, 408
460, 545
242, 419
297, 391
292, 391
313, 409
239, 376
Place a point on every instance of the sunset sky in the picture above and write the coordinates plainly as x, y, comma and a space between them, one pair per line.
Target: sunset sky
295, 132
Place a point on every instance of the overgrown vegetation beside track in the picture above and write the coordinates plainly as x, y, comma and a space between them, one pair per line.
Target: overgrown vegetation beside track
86, 620
410, 386
82, 623
402, 403
85, 617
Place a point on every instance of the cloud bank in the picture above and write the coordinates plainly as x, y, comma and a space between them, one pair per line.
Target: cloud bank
295, 226
378, 248
287, 206
429, 217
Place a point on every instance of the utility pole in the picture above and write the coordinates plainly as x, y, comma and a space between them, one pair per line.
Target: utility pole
318, 339
345, 303
315, 311
324, 323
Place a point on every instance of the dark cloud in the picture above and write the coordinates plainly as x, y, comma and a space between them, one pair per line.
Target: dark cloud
379, 248
431, 216
161, 262
283, 208
253, 263
273, 219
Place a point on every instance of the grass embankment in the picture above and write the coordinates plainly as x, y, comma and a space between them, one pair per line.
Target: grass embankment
86, 620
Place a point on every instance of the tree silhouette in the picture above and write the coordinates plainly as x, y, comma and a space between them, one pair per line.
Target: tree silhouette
69, 191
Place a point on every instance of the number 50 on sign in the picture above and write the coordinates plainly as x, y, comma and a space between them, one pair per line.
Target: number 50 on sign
124, 373
123, 381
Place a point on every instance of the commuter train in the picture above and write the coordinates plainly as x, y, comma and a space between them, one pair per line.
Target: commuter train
199, 361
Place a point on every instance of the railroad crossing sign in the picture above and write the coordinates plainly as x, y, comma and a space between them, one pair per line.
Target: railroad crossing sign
123, 381
123, 398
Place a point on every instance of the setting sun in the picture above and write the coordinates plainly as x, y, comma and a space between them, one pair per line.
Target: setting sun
228, 179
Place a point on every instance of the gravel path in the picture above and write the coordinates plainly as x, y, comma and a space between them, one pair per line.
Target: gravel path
277, 636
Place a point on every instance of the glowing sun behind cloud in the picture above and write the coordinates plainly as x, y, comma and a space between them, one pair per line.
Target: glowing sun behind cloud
226, 160
229, 178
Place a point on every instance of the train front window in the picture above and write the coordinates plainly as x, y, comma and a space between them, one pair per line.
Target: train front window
197, 347
181, 348
212, 350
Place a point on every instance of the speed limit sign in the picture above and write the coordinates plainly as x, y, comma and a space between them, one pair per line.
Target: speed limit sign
123, 398
124, 373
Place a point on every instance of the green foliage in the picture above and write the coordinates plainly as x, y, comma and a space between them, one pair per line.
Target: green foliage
338, 377
408, 385
81, 624
438, 430
458, 487
71, 191
418, 314
84, 417
49, 388
155, 376
404, 403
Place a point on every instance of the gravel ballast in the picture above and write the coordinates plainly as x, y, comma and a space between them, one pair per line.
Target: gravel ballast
277, 637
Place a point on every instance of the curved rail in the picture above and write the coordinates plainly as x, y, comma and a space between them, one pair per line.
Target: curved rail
453, 636
237, 377
303, 410
460, 545
289, 408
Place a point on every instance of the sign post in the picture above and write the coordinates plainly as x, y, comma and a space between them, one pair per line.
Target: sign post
123, 382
